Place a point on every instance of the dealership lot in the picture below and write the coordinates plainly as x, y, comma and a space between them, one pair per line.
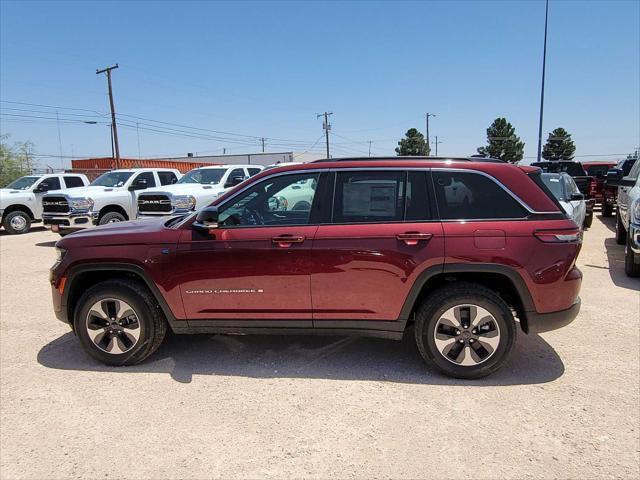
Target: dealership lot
566, 405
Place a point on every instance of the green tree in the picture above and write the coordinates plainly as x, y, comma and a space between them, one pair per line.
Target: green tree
16, 160
559, 146
502, 142
413, 144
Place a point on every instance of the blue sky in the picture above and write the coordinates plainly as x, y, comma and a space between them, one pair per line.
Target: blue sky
264, 69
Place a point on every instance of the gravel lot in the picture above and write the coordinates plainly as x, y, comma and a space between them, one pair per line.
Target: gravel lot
567, 405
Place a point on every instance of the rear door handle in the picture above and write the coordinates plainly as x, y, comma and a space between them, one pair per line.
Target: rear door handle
412, 238
285, 241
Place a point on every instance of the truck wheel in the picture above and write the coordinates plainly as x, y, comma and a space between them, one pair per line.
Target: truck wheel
588, 220
17, 222
621, 233
607, 209
111, 217
631, 260
119, 322
465, 330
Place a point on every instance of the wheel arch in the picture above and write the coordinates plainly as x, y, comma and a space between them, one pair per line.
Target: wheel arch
501, 279
113, 207
82, 277
19, 207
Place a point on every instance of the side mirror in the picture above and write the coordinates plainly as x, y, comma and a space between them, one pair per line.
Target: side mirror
614, 175
233, 181
43, 187
139, 184
206, 219
576, 197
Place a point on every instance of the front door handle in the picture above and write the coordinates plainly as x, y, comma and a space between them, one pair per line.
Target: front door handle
412, 238
285, 241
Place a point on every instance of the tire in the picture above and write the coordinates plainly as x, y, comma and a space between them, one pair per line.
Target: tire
16, 222
301, 206
607, 210
134, 343
111, 217
588, 220
621, 233
431, 314
631, 267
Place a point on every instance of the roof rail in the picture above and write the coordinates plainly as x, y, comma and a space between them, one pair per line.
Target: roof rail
420, 158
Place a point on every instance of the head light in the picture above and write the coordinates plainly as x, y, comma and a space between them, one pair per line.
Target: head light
183, 202
60, 253
81, 203
635, 211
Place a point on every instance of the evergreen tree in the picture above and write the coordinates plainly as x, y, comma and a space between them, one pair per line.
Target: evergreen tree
559, 146
413, 144
502, 142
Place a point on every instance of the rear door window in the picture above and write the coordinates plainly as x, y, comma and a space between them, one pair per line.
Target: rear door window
73, 182
369, 197
253, 171
472, 196
167, 178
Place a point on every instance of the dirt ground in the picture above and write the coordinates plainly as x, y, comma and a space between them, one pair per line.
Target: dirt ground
566, 405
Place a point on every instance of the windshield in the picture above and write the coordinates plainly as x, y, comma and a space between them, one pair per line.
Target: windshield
22, 183
112, 179
207, 176
572, 168
554, 183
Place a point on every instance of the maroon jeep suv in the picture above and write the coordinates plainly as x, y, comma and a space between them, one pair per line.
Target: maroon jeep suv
462, 250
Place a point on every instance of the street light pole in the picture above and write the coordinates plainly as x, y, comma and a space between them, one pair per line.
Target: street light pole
544, 64
427, 115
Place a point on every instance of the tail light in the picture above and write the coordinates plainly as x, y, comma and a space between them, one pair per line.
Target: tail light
559, 236
593, 187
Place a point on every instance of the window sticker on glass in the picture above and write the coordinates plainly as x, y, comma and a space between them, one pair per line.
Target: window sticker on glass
369, 199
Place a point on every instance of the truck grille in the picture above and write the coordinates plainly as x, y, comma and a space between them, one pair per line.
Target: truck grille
154, 204
55, 205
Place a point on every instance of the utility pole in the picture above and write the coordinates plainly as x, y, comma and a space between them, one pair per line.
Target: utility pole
369, 147
427, 115
436, 144
59, 139
138, 132
326, 126
544, 64
262, 140
114, 128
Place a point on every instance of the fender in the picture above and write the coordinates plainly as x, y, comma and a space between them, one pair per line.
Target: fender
73, 272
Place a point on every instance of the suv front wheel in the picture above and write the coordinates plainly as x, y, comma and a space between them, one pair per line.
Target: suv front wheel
119, 322
465, 330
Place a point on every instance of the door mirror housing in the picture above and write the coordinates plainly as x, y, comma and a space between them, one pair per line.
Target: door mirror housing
233, 181
614, 175
139, 184
577, 197
206, 219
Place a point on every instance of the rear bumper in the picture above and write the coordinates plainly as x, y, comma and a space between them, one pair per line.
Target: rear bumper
545, 322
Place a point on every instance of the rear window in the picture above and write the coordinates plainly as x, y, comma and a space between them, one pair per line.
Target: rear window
472, 196
555, 184
599, 171
572, 168
73, 182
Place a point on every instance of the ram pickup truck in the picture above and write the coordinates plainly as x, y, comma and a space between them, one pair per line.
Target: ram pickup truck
610, 191
598, 172
380, 249
197, 188
628, 216
112, 197
21, 200
579, 175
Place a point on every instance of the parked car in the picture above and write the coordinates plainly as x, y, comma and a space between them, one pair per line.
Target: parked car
564, 188
610, 192
197, 188
628, 216
21, 200
381, 248
598, 173
111, 198
579, 175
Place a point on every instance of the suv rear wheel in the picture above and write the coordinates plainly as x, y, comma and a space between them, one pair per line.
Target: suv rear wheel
631, 268
119, 322
465, 330
621, 232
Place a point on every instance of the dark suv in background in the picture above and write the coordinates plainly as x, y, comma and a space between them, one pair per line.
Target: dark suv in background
456, 248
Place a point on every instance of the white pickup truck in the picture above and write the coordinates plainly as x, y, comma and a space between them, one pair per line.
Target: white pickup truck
21, 200
198, 188
112, 197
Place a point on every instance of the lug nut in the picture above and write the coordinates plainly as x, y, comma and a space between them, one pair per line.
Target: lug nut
471, 340
461, 341
457, 332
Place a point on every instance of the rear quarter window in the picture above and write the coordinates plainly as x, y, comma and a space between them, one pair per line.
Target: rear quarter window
472, 196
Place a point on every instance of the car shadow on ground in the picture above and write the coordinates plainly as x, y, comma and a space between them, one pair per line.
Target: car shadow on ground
36, 228
609, 222
615, 255
532, 361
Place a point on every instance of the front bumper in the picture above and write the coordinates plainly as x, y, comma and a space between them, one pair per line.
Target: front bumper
634, 238
545, 322
73, 220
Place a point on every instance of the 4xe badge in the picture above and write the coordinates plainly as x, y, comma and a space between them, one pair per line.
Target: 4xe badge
224, 291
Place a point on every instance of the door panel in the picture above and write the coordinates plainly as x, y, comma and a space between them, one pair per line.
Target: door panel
246, 273
365, 271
